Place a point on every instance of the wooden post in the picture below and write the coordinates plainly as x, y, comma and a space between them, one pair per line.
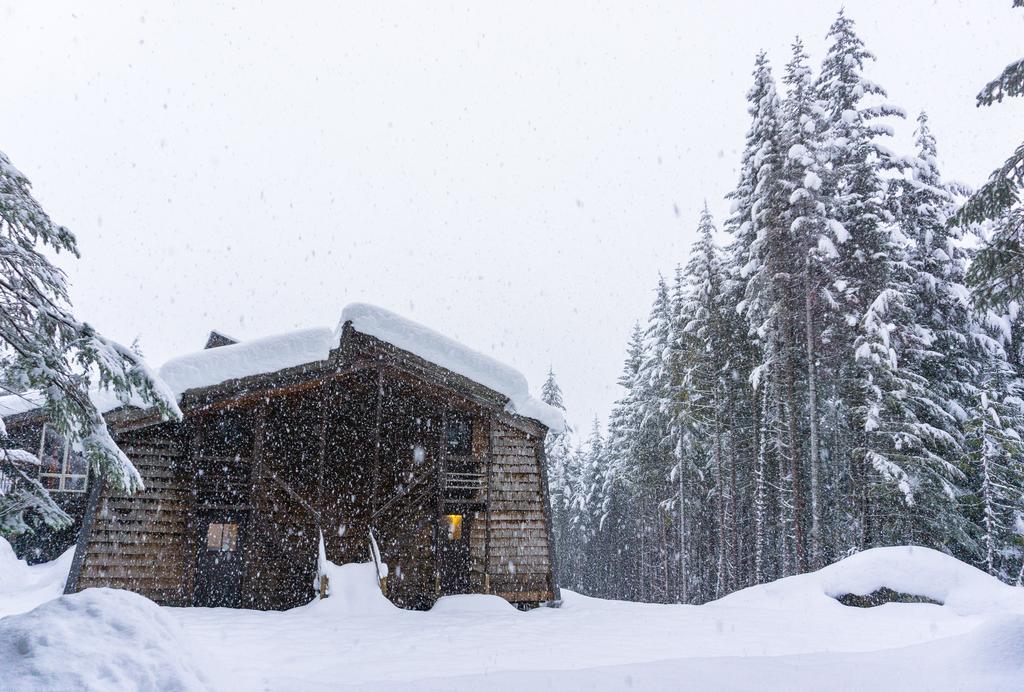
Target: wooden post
256, 478
374, 492
194, 432
489, 465
82, 546
442, 464
324, 405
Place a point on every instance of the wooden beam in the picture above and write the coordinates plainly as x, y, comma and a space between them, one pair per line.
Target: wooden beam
442, 465
82, 546
239, 392
195, 435
292, 493
256, 474
374, 491
325, 404
491, 431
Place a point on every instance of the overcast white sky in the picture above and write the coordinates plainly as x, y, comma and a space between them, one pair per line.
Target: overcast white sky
507, 175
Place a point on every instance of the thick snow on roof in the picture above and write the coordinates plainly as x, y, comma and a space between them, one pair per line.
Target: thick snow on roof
261, 356
257, 357
451, 355
211, 366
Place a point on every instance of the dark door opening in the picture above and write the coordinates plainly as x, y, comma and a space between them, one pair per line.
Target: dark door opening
454, 554
219, 566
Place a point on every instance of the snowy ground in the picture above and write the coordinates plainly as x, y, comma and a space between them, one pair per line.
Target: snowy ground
787, 635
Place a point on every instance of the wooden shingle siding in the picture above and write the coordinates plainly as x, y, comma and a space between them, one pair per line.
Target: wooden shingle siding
519, 557
141, 542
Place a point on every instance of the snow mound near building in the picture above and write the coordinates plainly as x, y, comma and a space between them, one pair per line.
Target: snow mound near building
99, 639
473, 603
24, 586
905, 569
353, 589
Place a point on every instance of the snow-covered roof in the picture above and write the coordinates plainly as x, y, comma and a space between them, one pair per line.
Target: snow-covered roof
451, 355
273, 353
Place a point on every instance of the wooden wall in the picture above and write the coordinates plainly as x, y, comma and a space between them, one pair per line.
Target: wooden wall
282, 532
141, 542
405, 530
519, 562
309, 464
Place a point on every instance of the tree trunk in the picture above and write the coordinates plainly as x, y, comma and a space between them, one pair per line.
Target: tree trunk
759, 503
799, 547
812, 405
720, 504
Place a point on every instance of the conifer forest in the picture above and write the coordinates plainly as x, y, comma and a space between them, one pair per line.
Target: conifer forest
821, 381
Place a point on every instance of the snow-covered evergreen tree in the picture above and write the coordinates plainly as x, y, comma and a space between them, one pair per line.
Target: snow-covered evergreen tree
55, 354
997, 272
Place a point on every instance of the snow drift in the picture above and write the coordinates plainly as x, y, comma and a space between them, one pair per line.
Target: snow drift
473, 603
99, 639
912, 570
791, 634
24, 586
353, 589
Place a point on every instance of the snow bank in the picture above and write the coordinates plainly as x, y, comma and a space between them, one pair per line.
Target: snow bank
24, 586
450, 354
99, 639
907, 569
353, 590
261, 356
482, 604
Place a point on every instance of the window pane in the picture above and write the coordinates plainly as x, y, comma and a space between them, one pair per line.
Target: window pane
76, 464
74, 483
454, 522
459, 436
52, 453
229, 541
50, 482
213, 536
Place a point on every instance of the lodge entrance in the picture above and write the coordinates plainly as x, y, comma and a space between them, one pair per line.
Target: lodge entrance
219, 563
453, 554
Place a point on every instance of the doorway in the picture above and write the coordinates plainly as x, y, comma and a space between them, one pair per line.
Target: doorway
454, 554
219, 566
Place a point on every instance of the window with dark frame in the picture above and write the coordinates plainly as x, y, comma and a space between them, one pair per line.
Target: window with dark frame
61, 468
459, 435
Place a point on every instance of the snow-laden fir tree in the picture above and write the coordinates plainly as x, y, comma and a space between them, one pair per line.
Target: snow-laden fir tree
700, 332
56, 356
558, 453
815, 238
755, 228
997, 272
854, 108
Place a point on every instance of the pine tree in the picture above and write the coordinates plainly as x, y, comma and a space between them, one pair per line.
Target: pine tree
994, 448
815, 238
997, 272
863, 301
558, 451
54, 353
755, 228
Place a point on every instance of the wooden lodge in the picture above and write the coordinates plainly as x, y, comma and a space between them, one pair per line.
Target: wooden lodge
370, 437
